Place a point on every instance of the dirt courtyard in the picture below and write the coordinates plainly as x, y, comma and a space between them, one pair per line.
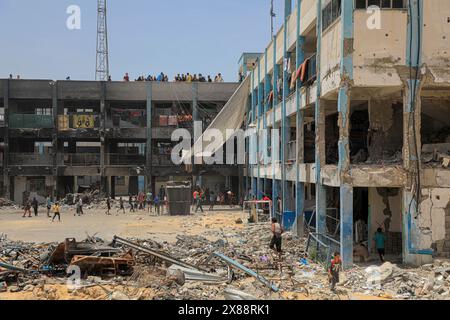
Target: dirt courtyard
141, 224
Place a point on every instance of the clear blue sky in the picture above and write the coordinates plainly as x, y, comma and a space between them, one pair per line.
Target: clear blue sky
145, 36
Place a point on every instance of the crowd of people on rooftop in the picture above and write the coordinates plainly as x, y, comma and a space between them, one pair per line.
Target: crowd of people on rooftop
178, 78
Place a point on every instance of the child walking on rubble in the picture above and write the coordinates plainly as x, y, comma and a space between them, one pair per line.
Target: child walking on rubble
27, 209
108, 206
333, 271
121, 206
56, 212
277, 231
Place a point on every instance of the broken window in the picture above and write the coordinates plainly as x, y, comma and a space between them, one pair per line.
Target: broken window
435, 132
330, 13
383, 4
385, 133
332, 139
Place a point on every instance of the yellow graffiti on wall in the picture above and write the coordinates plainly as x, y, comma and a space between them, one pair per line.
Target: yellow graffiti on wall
83, 121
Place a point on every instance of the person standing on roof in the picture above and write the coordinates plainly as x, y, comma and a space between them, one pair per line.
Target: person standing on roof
126, 78
219, 78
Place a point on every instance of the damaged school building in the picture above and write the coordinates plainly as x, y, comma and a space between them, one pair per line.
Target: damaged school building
364, 115
64, 137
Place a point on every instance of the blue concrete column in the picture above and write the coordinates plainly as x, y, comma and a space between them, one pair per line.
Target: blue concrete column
285, 123
346, 201
259, 140
149, 153
344, 99
299, 186
413, 251
321, 194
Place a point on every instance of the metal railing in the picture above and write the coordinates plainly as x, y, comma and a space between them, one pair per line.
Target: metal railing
82, 159
30, 121
30, 159
320, 248
117, 159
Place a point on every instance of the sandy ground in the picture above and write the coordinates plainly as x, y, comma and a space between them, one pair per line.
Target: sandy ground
141, 225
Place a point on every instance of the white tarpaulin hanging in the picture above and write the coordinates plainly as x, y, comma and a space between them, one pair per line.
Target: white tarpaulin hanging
230, 117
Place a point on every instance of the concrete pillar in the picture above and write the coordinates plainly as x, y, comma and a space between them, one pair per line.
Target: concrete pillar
299, 186
344, 99
6, 178
56, 154
75, 184
321, 195
149, 141
103, 143
285, 123
259, 149
413, 251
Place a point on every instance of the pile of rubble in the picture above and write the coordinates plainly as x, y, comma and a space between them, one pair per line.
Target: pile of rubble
238, 265
431, 281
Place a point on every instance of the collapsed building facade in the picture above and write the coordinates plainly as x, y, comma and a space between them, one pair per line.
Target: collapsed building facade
362, 100
63, 137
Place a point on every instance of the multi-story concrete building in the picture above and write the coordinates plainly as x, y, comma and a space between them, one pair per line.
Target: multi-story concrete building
362, 99
60, 137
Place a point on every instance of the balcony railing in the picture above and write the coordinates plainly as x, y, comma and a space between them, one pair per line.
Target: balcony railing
81, 159
31, 159
116, 159
30, 121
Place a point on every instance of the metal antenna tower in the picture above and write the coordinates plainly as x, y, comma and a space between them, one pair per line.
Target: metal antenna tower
272, 17
102, 61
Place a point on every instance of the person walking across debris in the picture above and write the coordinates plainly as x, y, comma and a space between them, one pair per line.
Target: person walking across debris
80, 206
27, 209
277, 232
380, 240
49, 206
56, 212
212, 200
121, 206
157, 205
333, 271
35, 206
108, 206
141, 199
198, 201
149, 201
130, 202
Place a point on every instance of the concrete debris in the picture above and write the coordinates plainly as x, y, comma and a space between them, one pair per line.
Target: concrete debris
195, 268
233, 294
